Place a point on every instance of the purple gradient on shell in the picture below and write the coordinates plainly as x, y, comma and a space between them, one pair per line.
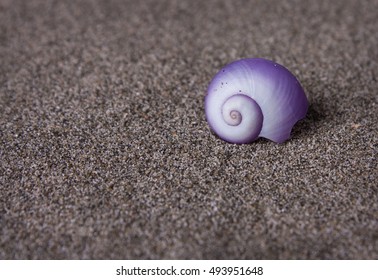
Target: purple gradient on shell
277, 91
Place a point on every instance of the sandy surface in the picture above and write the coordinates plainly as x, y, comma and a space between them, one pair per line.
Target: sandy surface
106, 153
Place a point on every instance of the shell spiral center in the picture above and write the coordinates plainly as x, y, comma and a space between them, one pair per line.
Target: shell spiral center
234, 118
243, 116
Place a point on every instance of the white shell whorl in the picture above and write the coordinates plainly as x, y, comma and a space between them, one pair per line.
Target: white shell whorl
244, 116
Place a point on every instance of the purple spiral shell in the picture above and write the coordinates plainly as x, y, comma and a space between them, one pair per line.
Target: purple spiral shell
253, 98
